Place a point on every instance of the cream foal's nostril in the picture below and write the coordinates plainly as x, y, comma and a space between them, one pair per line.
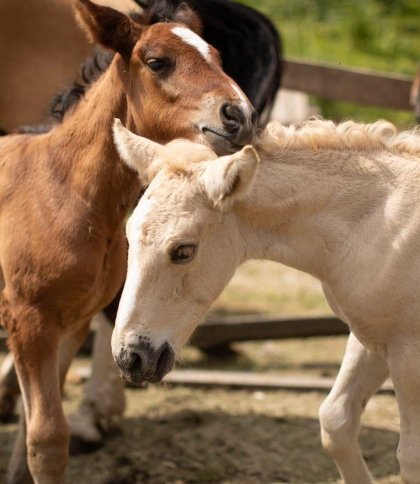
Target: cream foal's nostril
165, 360
144, 362
135, 362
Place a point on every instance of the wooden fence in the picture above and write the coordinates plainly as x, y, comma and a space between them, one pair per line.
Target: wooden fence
359, 86
219, 333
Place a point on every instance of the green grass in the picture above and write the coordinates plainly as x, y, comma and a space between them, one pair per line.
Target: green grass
376, 34
264, 287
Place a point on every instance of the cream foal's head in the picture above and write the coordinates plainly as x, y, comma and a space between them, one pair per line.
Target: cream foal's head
184, 246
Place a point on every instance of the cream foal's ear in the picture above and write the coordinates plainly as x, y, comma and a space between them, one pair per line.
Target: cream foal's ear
230, 177
136, 151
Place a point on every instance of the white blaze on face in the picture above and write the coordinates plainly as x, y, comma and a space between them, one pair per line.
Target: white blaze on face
138, 218
134, 230
191, 38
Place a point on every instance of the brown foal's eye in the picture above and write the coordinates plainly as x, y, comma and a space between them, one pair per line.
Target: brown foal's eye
157, 65
181, 254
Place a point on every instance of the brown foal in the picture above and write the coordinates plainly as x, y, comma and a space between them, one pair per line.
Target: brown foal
64, 196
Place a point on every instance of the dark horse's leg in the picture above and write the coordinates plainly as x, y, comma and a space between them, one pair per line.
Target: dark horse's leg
9, 389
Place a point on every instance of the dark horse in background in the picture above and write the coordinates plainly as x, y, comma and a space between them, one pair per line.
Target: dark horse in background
250, 49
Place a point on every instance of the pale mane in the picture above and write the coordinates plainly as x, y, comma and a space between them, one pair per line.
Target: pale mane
317, 134
178, 155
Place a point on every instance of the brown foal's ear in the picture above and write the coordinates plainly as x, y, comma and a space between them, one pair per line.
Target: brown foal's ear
185, 15
108, 27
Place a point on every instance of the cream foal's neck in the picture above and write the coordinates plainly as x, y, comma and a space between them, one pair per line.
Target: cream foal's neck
306, 205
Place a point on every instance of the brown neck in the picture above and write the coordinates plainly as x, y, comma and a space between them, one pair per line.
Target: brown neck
84, 151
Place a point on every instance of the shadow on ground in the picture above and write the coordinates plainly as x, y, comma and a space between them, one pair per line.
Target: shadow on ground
213, 447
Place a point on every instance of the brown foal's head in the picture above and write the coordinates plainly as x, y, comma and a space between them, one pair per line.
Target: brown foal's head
174, 82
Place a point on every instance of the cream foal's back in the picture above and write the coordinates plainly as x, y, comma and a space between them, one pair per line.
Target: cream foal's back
356, 191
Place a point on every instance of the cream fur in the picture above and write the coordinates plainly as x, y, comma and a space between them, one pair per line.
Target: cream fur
316, 134
341, 202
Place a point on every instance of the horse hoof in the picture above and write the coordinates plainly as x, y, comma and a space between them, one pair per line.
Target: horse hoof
79, 446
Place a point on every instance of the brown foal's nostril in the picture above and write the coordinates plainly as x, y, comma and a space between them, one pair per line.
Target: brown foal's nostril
240, 124
232, 116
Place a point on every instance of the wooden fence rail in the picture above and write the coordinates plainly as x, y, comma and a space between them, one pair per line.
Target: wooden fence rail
359, 86
221, 332
237, 380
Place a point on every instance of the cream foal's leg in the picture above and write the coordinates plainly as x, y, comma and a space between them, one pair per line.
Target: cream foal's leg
361, 374
103, 403
404, 364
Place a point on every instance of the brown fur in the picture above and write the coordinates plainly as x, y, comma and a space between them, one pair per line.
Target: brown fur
64, 196
108, 27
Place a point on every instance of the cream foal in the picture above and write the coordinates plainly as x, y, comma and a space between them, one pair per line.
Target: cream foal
339, 202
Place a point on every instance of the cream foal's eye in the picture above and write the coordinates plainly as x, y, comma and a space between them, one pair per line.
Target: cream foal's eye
181, 254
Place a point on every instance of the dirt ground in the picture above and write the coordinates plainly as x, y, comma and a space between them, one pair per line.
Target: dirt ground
188, 435
185, 435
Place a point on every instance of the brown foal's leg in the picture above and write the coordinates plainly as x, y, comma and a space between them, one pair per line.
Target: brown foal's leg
9, 384
103, 402
35, 347
18, 470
